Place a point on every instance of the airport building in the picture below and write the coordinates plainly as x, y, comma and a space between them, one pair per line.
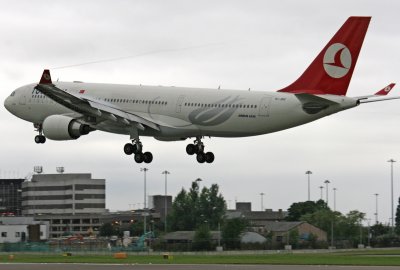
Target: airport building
160, 203
66, 225
22, 229
63, 194
243, 210
10, 197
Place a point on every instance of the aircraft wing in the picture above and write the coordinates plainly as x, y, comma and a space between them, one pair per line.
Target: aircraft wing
378, 96
90, 106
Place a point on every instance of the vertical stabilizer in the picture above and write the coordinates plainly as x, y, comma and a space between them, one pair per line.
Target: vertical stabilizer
331, 70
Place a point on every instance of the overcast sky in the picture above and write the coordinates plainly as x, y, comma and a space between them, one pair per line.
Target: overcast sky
262, 45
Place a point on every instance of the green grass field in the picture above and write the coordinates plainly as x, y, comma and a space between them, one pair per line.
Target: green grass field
370, 257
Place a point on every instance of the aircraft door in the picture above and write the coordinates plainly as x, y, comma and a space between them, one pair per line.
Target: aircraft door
264, 106
179, 103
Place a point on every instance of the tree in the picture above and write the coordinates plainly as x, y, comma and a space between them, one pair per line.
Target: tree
193, 208
202, 238
321, 219
297, 210
136, 228
107, 229
346, 227
379, 229
231, 232
293, 238
397, 219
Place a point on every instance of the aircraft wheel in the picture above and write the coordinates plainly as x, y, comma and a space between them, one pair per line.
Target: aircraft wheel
201, 157
137, 148
148, 157
209, 157
128, 148
139, 158
191, 149
40, 139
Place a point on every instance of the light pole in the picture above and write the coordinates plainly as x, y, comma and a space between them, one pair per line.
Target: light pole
144, 170
376, 208
165, 200
391, 181
262, 203
321, 188
334, 199
308, 180
369, 232
333, 215
327, 191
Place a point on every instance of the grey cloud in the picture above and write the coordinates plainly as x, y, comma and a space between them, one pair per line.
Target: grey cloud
265, 46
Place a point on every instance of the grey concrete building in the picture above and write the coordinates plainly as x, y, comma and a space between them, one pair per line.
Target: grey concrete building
69, 225
159, 203
10, 197
63, 194
22, 229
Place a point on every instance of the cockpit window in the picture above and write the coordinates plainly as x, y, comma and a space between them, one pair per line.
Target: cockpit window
12, 94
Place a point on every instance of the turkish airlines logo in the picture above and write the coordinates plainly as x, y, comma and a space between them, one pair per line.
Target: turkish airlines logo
337, 60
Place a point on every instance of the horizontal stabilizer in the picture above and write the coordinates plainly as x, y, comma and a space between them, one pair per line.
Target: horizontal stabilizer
378, 96
384, 91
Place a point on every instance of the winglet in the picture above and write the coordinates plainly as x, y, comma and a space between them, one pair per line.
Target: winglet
46, 78
385, 90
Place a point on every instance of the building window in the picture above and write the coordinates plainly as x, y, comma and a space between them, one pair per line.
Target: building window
17, 234
3, 234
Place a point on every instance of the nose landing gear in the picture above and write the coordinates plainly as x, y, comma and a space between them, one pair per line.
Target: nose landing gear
198, 148
39, 139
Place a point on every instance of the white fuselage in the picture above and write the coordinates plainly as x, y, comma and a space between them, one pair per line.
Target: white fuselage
180, 112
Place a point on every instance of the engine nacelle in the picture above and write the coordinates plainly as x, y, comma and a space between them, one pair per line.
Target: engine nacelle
61, 128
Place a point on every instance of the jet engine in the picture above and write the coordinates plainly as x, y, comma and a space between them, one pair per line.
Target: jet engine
61, 128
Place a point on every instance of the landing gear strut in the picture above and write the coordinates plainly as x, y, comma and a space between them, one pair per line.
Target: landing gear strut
198, 148
39, 139
136, 148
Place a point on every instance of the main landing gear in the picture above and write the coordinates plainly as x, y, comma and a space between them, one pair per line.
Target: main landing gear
136, 148
198, 149
39, 139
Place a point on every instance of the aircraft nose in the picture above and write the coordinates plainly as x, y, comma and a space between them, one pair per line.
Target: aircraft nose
7, 104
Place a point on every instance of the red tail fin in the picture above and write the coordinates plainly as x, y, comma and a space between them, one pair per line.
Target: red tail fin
331, 70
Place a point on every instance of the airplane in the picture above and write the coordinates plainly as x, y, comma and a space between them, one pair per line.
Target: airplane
68, 110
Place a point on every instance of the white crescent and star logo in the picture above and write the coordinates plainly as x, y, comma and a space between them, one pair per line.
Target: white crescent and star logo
46, 76
337, 60
387, 89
